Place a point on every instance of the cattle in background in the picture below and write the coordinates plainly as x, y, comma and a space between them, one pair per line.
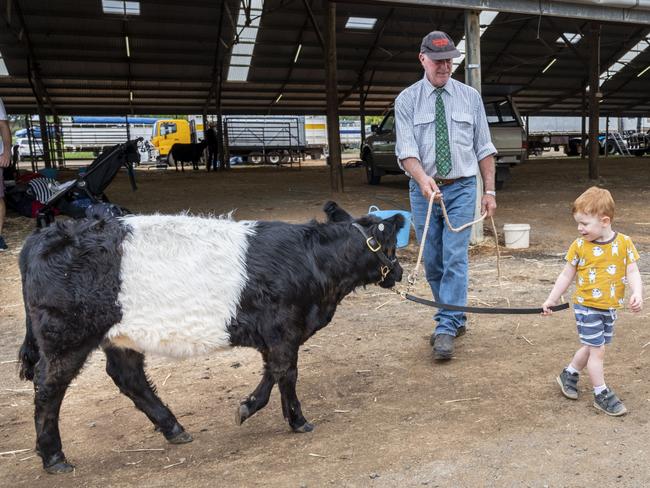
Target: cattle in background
267, 285
186, 153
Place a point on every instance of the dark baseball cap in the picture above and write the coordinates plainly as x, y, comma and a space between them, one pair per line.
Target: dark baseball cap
438, 45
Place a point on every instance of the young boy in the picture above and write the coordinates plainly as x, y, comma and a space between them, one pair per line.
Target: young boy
604, 261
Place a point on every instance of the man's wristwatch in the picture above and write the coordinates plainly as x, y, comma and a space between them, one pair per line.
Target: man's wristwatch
491, 192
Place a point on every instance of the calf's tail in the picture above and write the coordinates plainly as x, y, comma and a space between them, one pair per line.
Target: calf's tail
28, 354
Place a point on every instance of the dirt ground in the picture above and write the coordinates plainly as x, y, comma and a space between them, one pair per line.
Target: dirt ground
386, 415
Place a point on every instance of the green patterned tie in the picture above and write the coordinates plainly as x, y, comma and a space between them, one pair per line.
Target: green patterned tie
443, 153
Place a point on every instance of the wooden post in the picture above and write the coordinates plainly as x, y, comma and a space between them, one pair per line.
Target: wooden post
226, 146
473, 79
527, 131
204, 122
31, 142
333, 134
583, 127
223, 164
362, 113
58, 141
45, 137
220, 153
606, 136
473, 49
594, 97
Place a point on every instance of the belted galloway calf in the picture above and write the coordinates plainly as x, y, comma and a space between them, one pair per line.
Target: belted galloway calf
268, 285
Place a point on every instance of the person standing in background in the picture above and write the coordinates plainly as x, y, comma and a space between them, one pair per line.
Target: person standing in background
5, 161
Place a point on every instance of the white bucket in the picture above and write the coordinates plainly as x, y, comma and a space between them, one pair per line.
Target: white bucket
516, 235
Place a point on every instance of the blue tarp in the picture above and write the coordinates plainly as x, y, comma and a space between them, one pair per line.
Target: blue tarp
113, 120
36, 133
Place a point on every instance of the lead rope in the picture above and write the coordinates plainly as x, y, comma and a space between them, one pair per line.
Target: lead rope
413, 276
411, 279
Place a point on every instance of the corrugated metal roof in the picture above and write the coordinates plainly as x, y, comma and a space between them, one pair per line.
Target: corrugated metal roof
81, 57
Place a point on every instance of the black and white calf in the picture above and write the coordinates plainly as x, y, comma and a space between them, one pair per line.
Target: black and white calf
181, 286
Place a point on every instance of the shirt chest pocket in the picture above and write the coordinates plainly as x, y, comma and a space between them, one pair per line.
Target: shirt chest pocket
424, 128
462, 129
424, 120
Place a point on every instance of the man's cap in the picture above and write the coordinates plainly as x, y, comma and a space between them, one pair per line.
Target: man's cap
438, 45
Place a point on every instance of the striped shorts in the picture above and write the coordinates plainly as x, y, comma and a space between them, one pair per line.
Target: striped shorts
595, 326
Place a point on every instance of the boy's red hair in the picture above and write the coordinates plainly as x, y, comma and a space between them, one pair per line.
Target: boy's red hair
595, 201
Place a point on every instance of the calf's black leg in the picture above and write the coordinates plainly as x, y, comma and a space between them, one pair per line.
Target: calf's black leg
290, 403
284, 368
256, 400
53, 374
126, 367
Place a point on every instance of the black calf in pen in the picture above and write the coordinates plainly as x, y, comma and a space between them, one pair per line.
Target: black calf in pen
187, 153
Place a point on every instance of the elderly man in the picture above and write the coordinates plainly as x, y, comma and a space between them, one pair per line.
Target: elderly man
443, 142
211, 139
5, 160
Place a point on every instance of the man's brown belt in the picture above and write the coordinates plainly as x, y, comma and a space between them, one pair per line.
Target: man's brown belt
442, 181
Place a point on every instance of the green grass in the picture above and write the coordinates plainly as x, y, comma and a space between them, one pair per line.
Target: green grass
79, 155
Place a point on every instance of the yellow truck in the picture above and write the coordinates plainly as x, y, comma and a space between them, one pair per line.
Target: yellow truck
167, 132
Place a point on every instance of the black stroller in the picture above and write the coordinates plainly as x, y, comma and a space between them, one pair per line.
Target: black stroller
92, 184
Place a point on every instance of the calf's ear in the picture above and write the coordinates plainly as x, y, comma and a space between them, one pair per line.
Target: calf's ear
397, 221
392, 225
335, 213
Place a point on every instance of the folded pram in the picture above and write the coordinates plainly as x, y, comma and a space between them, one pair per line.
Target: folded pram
93, 182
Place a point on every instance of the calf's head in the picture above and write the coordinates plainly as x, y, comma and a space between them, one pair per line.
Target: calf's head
380, 236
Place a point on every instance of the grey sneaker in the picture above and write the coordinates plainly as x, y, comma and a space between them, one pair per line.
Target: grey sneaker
569, 384
608, 402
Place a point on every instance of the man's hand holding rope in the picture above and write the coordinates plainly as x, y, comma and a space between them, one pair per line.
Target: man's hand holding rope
488, 204
429, 187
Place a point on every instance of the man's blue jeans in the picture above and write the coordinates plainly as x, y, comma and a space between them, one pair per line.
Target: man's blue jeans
445, 253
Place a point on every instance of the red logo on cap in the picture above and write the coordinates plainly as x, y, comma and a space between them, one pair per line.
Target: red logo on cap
440, 42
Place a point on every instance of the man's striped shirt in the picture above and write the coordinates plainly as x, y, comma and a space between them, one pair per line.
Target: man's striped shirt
469, 134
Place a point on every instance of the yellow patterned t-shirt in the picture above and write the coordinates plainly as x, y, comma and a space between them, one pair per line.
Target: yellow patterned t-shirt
600, 270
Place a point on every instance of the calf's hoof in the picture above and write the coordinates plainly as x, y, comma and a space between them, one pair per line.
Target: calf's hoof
180, 438
304, 428
242, 414
178, 435
59, 468
56, 464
